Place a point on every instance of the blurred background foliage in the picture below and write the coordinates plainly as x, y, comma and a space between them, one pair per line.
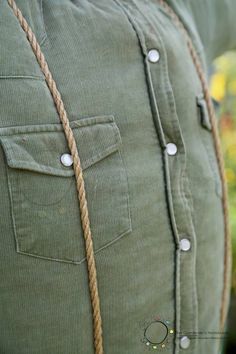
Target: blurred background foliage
223, 91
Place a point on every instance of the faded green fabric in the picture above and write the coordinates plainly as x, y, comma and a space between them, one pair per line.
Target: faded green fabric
123, 110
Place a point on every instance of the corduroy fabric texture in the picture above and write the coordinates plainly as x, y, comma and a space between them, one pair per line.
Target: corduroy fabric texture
123, 110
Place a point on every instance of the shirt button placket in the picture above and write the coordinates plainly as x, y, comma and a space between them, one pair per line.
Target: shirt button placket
168, 125
153, 55
185, 244
171, 149
184, 342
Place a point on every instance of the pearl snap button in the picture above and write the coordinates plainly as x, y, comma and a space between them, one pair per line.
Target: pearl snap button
184, 342
66, 159
185, 244
171, 149
153, 55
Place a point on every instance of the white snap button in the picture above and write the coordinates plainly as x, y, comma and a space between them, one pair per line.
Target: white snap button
184, 342
153, 55
171, 149
66, 159
185, 244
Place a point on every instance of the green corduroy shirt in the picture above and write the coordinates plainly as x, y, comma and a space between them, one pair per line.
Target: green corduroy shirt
136, 107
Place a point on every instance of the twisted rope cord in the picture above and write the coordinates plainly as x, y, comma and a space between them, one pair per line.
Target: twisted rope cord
97, 322
78, 171
219, 155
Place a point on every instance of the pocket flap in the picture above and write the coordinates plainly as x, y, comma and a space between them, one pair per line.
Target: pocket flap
204, 116
39, 147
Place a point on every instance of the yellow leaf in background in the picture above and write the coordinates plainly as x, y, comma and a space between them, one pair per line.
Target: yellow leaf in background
230, 176
218, 86
232, 87
232, 152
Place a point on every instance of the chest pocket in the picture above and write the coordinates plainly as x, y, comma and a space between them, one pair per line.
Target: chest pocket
44, 202
207, 139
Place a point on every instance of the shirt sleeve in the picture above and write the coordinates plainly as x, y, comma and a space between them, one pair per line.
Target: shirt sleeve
215, 21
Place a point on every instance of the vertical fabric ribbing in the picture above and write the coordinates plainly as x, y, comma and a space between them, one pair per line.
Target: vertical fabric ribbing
217, 144
97, 321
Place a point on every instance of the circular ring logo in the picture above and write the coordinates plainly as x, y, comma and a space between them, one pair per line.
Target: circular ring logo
157, 333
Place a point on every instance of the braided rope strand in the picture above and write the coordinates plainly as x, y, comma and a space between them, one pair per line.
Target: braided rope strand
220, 160
97, 321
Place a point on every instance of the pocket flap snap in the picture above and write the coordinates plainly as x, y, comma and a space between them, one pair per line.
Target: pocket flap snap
39, 147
